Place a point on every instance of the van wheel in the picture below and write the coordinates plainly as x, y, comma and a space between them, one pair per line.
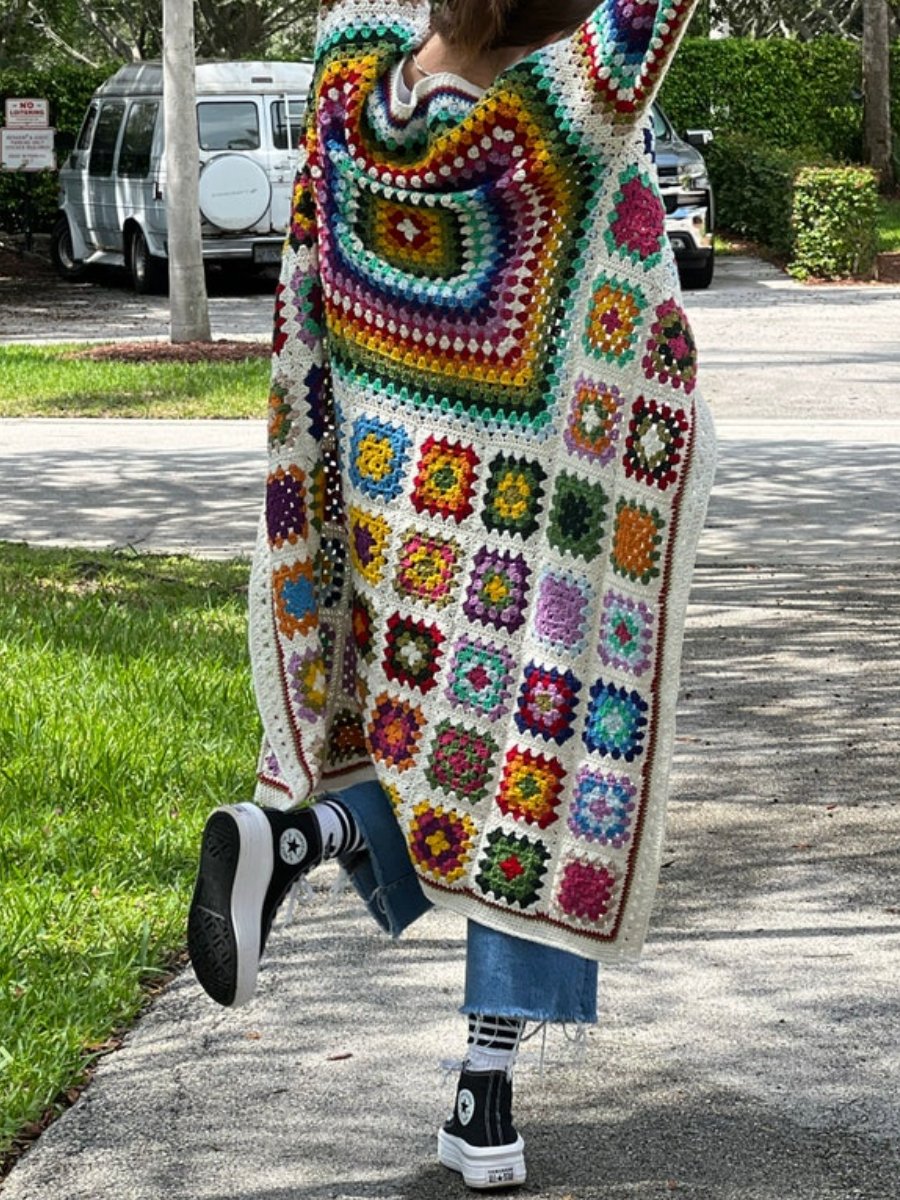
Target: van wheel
148, 273
67, 266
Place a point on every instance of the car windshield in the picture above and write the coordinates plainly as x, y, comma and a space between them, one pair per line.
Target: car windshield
662, 130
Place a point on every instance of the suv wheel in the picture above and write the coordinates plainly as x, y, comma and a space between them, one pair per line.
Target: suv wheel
67, 266
148, 273
699, 277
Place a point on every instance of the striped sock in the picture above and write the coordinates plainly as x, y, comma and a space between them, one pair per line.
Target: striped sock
340, 833
493, 1042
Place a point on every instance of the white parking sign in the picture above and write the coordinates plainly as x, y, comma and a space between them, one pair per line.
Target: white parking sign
27, 150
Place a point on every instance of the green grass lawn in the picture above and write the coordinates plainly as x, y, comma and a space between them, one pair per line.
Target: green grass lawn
45, 381
889, 224
126, 716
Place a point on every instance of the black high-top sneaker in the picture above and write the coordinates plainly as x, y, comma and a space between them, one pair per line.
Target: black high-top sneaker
479, 1140
249, 857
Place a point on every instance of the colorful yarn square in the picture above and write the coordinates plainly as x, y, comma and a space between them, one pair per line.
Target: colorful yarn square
592, 431
369, 536
637, 537
286, 519
531, 786
427, 567
394, 731
670, 355
445, 478
603, 807
362, 626
637, 224
413, 651
414, 239
655, 441
587, 890
308, 684
512, 868
560, 614
378, 453
497, 589
294, 595
480, 678
461, 761
441, 841
616, 721
614, 320
547, 700
331, 571
577, 516
346, 739
512, 500
626, 633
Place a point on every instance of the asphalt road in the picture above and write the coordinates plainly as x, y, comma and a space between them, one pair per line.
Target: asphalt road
752, 1054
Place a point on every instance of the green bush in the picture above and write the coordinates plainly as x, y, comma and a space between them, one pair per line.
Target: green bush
754, 188
785, 93
835, 221
68, 87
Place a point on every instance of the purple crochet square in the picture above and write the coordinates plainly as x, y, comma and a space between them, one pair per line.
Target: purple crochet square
498, 588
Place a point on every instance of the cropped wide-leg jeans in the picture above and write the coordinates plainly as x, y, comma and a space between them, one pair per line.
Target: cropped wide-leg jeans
505, 975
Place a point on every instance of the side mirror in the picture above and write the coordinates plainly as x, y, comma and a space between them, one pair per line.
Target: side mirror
698, 138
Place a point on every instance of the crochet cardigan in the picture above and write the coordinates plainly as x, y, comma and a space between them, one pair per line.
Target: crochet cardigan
489, 466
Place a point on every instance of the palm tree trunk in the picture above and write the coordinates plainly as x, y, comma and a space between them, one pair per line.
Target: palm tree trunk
877, 134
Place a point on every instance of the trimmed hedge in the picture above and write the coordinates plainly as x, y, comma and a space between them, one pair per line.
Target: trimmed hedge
754, 188
835, 222
68, 87
785, 93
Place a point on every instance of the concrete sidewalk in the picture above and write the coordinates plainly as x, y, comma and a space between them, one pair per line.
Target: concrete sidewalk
753, 1053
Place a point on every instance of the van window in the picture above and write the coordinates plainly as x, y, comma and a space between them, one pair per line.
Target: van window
228, 125
137, 140
104, 144
87, 128
280, 138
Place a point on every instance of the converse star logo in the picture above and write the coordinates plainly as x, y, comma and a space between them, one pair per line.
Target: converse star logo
465, 1106
292, 847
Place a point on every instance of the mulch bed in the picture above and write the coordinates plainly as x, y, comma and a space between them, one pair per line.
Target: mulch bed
17, 265
887, 268
222, 350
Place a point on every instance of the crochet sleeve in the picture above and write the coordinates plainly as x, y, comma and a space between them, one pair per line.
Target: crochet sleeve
286, 620
626, 47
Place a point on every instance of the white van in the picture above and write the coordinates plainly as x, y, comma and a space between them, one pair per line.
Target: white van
112, 206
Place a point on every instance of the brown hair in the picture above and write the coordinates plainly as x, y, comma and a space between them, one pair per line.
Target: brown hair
474, 26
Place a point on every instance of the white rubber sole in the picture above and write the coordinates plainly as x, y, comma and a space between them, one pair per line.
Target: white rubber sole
251, 882
225, 918
483, 1168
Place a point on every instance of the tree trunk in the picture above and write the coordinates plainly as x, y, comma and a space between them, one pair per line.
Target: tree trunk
877, 134
188, 304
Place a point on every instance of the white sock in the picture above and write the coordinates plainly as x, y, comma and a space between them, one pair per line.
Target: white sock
340, 833
493, 1042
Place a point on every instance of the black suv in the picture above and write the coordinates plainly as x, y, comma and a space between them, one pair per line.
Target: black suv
687, 195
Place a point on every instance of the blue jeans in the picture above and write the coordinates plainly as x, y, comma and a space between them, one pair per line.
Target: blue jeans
506, 976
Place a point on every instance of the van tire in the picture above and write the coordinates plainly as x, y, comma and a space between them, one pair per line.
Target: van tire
66, 265
148, 273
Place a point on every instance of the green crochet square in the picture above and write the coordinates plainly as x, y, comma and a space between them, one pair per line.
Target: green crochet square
578, 517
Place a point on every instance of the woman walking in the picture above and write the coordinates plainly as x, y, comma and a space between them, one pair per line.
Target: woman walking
488, 471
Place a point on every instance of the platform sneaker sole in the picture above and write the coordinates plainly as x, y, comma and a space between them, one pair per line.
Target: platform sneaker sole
485, 1167
225, 920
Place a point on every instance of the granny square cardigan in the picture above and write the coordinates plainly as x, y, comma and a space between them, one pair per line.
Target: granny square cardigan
489, 466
